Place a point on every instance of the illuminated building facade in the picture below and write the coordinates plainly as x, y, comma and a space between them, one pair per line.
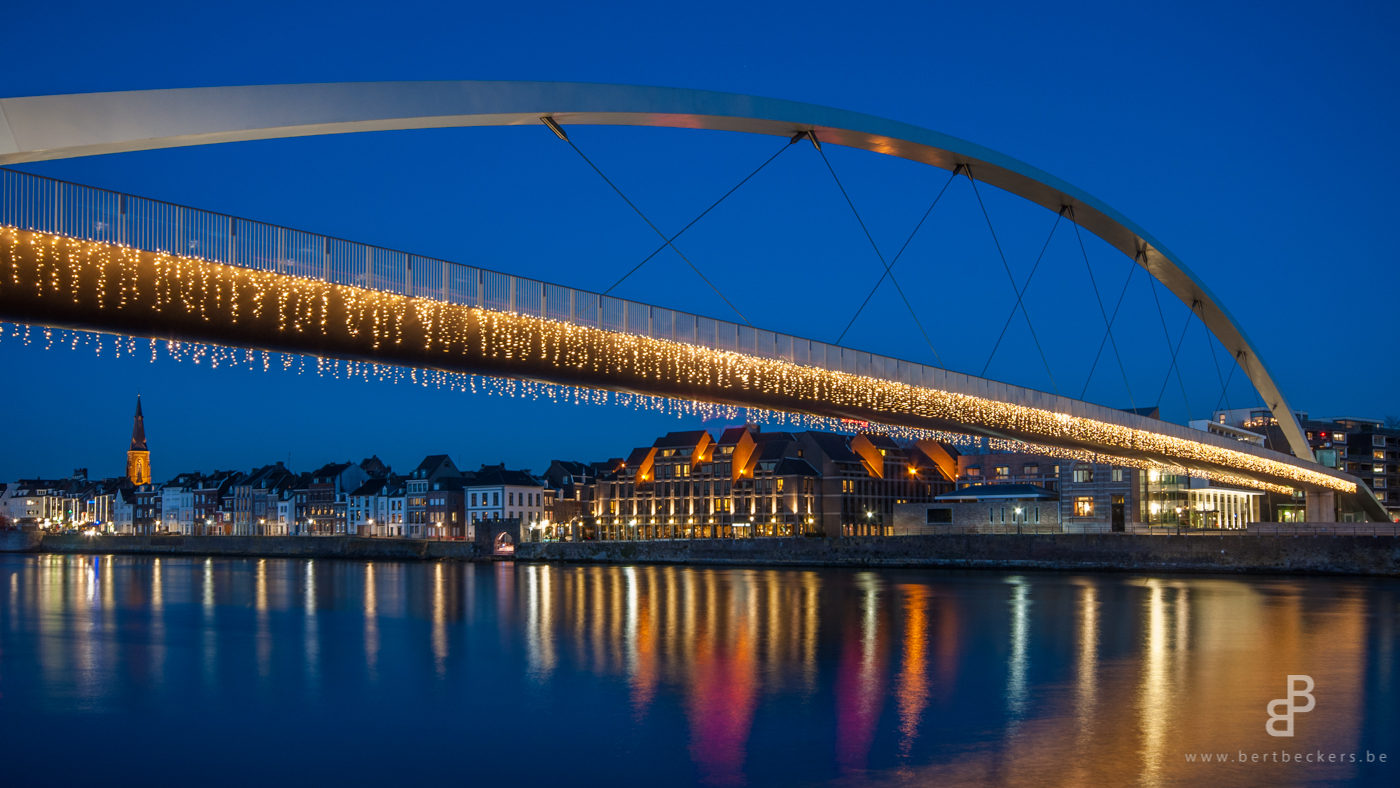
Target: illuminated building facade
1366, 448
436, 477
376, 508
324, 507
496, 493
254, 499
750, 483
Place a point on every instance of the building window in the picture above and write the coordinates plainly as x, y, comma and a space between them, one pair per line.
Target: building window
1030, 470
1083, 475
1119, 474
1003, 471
1083, 505
940, 516
973, 470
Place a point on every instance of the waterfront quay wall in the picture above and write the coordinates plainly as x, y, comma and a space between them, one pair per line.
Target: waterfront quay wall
1301, 554
350, 547
17, 541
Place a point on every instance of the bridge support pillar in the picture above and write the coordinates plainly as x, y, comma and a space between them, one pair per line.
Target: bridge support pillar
1321, 506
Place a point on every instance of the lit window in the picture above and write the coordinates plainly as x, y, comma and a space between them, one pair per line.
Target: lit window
974, 470
1083, 475
1031, 470
1003, 471
1084, 506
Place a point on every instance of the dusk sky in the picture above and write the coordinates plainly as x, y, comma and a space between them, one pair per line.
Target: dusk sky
1256, 141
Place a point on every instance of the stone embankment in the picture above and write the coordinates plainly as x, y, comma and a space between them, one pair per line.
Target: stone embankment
1283, 554
1347, 555
350, 547
13, 540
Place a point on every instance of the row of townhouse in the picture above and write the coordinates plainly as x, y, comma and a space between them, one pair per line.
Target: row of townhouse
75, 501
435, 500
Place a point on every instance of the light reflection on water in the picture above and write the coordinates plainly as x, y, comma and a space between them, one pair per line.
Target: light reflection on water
531, 673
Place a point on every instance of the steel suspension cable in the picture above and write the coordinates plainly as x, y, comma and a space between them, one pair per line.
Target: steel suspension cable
650, 224
1224, 394
1021, 294
692, 222
1108, 326
1226, 387
1111, 320
816, 144
1010, 278
1172, 367
898, 254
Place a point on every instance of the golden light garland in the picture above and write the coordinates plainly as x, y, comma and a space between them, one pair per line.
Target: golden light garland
104, 276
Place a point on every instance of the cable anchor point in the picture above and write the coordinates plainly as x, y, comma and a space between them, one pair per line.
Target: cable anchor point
558, 130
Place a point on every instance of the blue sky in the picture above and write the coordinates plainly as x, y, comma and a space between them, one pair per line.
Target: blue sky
1255, 141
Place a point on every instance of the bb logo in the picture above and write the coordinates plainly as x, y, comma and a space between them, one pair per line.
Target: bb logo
1299, 686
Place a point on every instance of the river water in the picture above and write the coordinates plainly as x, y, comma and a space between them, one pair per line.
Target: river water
250, 671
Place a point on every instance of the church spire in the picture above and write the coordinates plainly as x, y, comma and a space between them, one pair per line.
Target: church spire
138, 429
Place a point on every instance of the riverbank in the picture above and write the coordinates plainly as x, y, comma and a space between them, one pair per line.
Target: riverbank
1286, 554
348, 547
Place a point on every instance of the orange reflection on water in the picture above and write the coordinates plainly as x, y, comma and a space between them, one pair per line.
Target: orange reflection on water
913, 674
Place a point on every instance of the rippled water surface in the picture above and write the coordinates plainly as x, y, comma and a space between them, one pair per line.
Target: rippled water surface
243, 672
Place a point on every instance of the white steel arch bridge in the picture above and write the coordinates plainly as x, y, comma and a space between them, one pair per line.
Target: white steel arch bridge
497, 322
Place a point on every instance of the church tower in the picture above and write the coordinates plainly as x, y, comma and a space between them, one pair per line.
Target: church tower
138, 458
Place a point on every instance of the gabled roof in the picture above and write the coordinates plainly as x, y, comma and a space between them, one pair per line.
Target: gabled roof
774, 450
375, 486
732, 435
795, 466
680, 440
573, 467
436, 466
331, 470
374, 466
836, 446
880, 440
772, 437
497, 475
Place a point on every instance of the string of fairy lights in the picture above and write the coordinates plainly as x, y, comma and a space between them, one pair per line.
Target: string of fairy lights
177, 290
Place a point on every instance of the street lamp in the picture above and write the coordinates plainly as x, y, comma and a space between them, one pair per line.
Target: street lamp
370, 523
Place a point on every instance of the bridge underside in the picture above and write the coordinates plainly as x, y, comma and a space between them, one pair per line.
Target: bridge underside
63, 282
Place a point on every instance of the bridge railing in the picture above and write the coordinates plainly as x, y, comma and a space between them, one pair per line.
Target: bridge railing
40, 203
